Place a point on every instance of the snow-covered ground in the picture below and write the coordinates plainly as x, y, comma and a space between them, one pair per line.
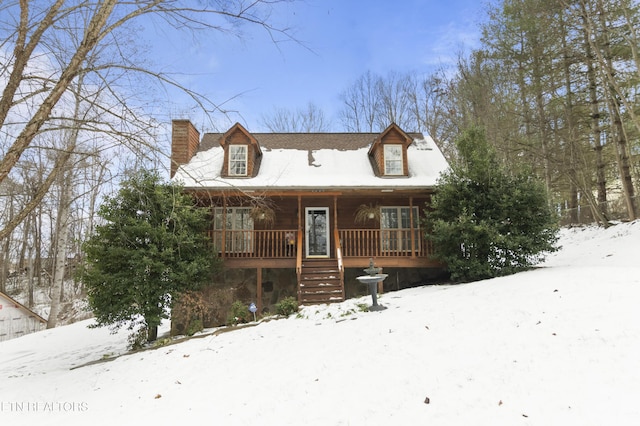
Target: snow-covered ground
558, 345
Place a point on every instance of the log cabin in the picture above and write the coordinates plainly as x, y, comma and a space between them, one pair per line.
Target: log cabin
304, 213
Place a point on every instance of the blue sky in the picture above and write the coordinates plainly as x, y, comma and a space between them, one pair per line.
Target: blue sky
339, 41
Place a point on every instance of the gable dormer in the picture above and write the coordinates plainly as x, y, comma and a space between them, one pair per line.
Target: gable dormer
388, 153
241, 153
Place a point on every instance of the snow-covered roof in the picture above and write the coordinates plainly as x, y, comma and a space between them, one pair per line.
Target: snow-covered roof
305, 169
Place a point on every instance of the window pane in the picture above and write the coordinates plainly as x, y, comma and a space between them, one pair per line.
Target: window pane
238, 160
217, 218
229, 219
238, 152
395, 223
389, 217
393, 160
238, 221
406, 217
243, 219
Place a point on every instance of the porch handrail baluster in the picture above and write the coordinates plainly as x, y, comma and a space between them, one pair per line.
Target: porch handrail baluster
287, 244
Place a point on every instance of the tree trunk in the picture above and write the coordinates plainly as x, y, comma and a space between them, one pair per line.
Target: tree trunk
6, 247
30, 271
622, 155
62, 233
543, 131
596, 132
622, 159
571, 130
37, 239
152, 333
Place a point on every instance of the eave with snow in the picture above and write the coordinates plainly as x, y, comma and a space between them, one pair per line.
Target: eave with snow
314, 184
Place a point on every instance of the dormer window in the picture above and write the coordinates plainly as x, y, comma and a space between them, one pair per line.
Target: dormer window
388, 153
393, 160
238, 160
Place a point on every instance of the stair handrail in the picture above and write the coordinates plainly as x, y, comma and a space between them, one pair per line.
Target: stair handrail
338, 246
299, 262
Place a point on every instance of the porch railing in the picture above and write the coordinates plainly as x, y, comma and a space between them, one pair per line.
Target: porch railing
273, 244
286, 244
383, 243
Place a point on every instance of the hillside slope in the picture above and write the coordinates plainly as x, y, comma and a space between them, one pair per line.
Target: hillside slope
558, 345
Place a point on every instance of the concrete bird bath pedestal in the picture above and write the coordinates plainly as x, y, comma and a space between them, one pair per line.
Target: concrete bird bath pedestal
372, 279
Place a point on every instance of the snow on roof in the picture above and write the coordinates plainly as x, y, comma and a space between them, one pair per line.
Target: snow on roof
315, 169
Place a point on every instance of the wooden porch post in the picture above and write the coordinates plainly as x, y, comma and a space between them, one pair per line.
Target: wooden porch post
224, 227
259, 291
413, 231
299, 212
335, 219
299, 249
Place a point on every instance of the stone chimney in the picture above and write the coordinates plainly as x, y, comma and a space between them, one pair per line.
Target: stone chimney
184, 143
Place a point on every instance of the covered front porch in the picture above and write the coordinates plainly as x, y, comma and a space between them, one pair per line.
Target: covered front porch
317, 235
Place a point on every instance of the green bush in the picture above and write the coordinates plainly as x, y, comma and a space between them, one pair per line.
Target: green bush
162, 342
363, 307
485, 222
287, 306
239, 314
150, 246
138, 339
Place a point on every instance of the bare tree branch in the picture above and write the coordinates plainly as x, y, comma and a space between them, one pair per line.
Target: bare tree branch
54, 45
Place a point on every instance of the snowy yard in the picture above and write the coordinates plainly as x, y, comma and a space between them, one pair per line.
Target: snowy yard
558, 345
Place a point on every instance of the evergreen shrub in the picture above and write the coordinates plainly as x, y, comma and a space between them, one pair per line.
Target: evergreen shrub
287, 306
485, 222
239, 313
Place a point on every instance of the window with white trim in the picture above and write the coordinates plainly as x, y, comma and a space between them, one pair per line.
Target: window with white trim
396, 227
238, 160
393, 160
237, 224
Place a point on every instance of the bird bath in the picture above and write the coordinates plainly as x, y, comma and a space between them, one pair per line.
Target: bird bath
372, 279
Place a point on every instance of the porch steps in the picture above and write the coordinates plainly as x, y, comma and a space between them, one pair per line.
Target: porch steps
320, 282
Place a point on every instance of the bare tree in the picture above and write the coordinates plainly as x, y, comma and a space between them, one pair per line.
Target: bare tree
8, 195
361, 105
430, 98
394, 93
303, 120
373, 102
63, 220
55, 43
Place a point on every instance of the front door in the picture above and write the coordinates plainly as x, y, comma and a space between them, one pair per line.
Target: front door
317, 231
